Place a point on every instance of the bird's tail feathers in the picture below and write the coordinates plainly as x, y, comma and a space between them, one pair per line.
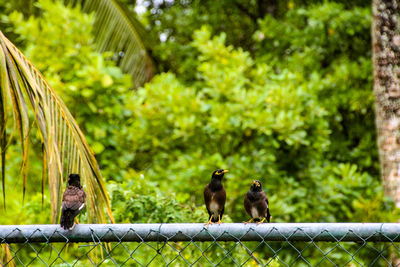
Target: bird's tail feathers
268, 216
67, 219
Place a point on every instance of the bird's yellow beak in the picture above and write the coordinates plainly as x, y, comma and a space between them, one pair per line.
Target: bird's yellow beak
256, 183
225, 171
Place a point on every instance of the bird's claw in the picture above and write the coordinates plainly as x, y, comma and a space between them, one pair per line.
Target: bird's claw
250, 221
209, 222
261, 221
219, 220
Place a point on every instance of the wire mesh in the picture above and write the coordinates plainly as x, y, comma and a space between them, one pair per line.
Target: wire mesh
316, 244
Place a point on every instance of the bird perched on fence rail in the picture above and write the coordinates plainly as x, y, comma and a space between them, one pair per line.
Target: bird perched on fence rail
215, 197
73, 202
256, 203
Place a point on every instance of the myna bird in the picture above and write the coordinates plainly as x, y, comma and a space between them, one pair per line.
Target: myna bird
256, 203
215, 197
73, 202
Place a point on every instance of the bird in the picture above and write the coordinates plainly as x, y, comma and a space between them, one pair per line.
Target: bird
73, 202
256, 203
215, 197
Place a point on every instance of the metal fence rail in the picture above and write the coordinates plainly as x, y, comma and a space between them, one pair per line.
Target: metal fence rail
275, 244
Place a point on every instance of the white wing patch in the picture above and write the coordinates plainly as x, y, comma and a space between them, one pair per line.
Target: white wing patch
81, 207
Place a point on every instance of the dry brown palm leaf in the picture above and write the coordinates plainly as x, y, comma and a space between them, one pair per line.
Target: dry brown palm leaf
65, 149
6, 257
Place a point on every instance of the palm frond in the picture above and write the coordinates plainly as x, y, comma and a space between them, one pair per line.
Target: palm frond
6, 257
4, 85
116, 29
65, 149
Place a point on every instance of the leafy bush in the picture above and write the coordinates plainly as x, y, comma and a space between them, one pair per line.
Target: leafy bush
139, 200
296, 112
274, 125
292, 106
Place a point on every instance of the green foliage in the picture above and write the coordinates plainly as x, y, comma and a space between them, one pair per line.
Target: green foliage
266, 121
318, 35
138, 199
293, 108
330, 46
89, 83
284, 98
177, 20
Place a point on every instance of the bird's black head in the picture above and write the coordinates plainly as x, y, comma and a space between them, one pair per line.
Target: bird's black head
256, 186
218, 174
74, 180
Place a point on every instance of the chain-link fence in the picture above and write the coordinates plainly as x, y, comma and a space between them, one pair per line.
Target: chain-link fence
293, 244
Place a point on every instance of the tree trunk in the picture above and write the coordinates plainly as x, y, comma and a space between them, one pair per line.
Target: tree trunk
386, 60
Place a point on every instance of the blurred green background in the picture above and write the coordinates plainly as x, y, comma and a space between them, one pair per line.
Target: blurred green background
283, 96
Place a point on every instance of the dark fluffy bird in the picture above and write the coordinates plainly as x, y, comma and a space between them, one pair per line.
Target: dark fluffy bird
73, 201
215, 197
256, 203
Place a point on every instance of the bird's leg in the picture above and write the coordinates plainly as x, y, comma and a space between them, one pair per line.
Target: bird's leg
209, 221
219, 219
251, 220
261, 220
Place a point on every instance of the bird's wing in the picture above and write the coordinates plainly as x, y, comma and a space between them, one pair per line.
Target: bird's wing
221, 197
247, 205
267, 214
264, 196
207, 197
221, 200
82, 196
73, 198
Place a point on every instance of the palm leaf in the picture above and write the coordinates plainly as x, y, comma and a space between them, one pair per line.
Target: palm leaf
6, 257
116, 29
65, 149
